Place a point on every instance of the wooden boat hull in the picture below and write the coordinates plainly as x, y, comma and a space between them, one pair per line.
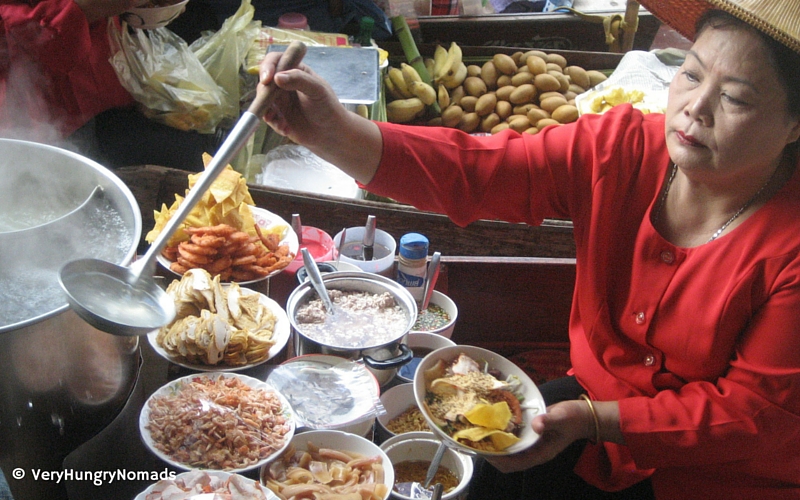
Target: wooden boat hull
153, 186
545, 31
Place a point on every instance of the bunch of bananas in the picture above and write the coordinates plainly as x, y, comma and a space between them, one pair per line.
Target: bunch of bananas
411, 96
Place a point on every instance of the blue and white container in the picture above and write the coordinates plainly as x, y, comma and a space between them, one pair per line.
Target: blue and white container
412, 263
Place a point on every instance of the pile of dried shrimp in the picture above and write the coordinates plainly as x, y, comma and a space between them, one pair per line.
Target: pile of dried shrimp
228, 252
319, 472
218, 423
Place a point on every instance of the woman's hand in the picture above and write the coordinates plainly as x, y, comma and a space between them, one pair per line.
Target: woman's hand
564, 423
308, 112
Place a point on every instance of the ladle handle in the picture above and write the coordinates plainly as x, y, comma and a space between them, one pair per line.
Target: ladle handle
237, 138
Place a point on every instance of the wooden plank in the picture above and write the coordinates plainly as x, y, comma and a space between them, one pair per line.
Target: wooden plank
546, 31
508, 304
154, 185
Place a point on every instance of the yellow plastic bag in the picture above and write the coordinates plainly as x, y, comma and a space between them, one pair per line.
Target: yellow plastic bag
166, 78
223, 52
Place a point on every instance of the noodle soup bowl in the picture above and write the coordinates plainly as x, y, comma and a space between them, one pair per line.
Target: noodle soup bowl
420, 447
431, 368
383, 353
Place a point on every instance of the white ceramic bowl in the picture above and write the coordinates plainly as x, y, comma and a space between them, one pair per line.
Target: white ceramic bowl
395, 401
341, 441
148, 18
532, 397
446, 303
384, 259
172, 387
422, 344
422, 446
349, 382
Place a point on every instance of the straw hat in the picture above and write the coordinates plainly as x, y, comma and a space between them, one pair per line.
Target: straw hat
780, 19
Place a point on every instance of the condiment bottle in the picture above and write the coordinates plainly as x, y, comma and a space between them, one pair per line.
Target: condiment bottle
412, 263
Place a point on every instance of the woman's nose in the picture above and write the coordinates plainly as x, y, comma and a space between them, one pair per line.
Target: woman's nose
700, 106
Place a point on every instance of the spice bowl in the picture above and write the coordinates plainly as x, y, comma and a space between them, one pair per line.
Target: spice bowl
396, 402
430, 320
421, 343
419, 448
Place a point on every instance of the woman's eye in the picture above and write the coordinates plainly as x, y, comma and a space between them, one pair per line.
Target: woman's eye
690, 76
733, 100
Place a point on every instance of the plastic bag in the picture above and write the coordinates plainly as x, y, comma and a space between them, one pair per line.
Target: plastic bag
166, 78
223, 52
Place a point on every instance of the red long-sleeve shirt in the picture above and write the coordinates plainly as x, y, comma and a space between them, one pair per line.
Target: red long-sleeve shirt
700, 346
54, 69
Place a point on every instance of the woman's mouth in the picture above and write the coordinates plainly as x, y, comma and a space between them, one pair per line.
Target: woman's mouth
688, 140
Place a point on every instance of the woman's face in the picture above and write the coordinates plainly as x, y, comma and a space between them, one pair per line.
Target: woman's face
727, 112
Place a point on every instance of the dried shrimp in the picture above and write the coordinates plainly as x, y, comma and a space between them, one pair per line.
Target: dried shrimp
228, 252
217, 423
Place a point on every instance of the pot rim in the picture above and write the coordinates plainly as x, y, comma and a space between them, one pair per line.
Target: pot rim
400, 293
107, 179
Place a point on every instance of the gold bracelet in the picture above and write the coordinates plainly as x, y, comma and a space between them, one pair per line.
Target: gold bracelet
594, 416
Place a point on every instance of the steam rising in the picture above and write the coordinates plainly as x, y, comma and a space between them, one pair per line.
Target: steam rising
40, 228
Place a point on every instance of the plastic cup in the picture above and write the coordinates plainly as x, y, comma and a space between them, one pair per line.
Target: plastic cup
320, 245
384, 251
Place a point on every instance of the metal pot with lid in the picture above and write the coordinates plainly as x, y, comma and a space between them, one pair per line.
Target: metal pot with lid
63, 381
383, 354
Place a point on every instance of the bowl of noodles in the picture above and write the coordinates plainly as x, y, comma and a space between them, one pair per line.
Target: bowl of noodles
329, 462
477, 401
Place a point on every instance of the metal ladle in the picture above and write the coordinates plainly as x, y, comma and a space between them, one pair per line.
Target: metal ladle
126, 300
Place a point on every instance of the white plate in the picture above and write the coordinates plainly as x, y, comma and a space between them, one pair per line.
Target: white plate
280, 335
172, 387
533, 398
219, 474
265, 220
302, 378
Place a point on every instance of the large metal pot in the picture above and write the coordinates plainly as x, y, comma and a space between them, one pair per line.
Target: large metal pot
382, 359
62, 380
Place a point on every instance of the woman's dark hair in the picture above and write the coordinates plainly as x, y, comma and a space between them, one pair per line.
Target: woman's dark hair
785, 60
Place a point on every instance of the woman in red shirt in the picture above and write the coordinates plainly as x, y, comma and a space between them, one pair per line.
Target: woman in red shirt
58, 87
683, 329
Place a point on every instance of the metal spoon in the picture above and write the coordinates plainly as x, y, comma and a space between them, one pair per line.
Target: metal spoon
430, 281
341, 246
315, 278
297, 227
126, 300
437, 491
368, 242
434, 466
